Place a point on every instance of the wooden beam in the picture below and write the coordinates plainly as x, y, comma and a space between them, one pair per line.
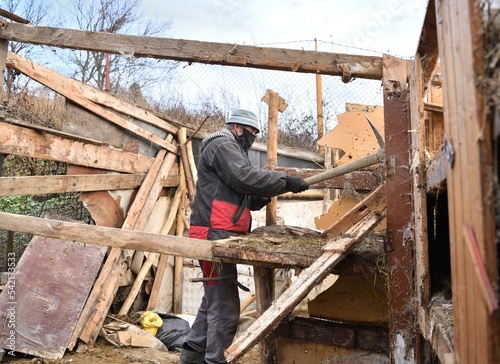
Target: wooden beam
400, 234
44, 185
41, 185
429, 106
69, 88
195, 51
420, 219
112, 237
13, 17
43, 129
29, 143
103, 98
299, 289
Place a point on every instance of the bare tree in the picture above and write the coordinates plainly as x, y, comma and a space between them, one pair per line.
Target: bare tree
116, 16
35, 11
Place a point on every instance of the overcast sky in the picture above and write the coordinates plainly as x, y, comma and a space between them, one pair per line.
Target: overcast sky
384, 26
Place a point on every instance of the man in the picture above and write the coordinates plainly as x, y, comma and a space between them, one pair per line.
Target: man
228, 188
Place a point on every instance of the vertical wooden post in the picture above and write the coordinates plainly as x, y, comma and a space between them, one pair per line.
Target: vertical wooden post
469, 178
319, 104
4, 48
179, 261
422, 286
264, 277
327, 192
276, 105
400, 234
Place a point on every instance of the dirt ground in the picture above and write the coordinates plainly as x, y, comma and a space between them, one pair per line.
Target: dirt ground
105, 353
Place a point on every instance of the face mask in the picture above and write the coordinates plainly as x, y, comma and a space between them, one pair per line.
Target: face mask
246, 139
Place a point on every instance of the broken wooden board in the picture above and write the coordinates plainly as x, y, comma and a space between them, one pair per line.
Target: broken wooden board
30, 143
79, 121
66, 86
347, 211
354, 135
52, 281
299, 289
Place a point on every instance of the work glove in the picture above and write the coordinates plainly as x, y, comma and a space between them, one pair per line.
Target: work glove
258, 202
296, 184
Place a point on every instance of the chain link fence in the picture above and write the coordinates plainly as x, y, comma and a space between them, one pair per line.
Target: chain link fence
228, 88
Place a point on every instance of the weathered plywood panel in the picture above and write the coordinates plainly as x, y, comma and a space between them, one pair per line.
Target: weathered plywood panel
52, 281
352, 299
79, 121
354, 135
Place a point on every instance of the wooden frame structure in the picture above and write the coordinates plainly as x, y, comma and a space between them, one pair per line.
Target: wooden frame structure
461, 168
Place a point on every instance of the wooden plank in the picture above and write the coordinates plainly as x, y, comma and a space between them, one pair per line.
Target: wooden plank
48, 297
179, 261
112, 237
479, 156
298, 290
196, 51
4, 49
13, 17
276, 104
429, 106
29, 143
68, 88
417, 122
160, 271
264, 296
469, 184
154, 192
152, 257
233, 253
181, 137
43, 129
264, 277
365, 206
105, 99
43, 185
454, 180
400, 235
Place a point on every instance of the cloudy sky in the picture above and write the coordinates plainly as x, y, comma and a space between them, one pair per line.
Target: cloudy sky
384, 26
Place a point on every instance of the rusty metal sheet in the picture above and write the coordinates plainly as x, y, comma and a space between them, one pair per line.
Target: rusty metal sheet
52, 280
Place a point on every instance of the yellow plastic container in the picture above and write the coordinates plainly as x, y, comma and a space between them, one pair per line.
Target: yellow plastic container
151, 322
